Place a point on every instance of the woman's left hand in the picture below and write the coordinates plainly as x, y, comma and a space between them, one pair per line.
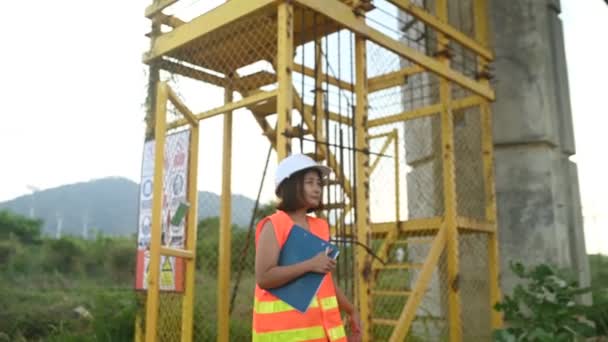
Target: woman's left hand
355, 327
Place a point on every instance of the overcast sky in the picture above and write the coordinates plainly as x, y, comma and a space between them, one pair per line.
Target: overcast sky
73, 86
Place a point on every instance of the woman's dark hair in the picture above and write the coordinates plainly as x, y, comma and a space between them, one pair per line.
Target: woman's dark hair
291, 192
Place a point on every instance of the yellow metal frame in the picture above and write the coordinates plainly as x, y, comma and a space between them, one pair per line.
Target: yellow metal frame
164, 94
480, 13
441, 232
363, 262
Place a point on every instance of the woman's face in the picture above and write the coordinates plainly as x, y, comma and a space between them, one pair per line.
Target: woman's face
313, 189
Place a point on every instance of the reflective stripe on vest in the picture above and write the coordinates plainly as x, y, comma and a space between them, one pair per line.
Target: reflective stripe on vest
329, 303
277, 306
336, 333
311, 333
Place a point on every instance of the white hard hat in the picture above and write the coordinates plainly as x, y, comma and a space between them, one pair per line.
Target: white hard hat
295, 163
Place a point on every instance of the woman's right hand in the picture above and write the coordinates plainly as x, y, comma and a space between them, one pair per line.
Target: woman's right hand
321, 263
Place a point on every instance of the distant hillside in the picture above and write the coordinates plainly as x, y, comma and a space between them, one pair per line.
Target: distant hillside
109, 205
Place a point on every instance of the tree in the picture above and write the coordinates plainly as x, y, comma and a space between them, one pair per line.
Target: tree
26, 230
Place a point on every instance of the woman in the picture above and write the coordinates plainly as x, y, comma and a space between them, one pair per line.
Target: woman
299, 186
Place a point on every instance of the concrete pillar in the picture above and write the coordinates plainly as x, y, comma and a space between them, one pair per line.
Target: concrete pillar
538, 200
537, 185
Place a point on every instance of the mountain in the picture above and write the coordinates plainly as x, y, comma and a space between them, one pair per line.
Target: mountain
108, 205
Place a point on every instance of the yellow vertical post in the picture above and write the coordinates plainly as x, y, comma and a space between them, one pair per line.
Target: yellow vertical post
490, 199
157, 206
397, 176
362, 185
284, 68
223, 298
138, 333
449, 186
319, 100
480, 13
191, 235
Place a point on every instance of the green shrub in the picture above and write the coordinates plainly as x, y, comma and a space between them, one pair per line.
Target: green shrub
63, 255
543, 308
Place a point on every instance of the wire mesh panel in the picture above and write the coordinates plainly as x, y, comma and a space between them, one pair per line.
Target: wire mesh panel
474, 287
469, 166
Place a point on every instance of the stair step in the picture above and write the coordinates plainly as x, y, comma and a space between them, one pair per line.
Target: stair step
333, 206
318, 157
418, 241
384, 321
263, 109
334, 182
388, 293
403, 266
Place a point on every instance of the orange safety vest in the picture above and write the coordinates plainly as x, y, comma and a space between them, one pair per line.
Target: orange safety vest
275, 320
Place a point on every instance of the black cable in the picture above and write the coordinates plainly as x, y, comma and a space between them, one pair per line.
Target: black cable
347, 148
248, 239
315, 107
326, 111
353, 199
360, 244
303, 38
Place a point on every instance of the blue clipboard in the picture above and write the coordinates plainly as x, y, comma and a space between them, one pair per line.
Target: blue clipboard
302, 245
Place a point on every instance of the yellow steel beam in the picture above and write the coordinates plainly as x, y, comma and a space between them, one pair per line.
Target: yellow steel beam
175, 252
184, 70
375, 163
490, 198
473, 225
330, 79
426, 226
404, 116
229, 107
378, 136
480, 13
391, 293
344, 15
181, 107
362, 171
442, 26
422, 226
202, 25
223, 299
170, 20
409, 312
158, 6
393, 79
157, 205
138, 335
284, 67
449, 188
321, 150
397, 175
248, 101
470, 101
191, 233
463, 103
256, 80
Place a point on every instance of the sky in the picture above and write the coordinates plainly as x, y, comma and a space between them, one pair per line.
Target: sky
73, 87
